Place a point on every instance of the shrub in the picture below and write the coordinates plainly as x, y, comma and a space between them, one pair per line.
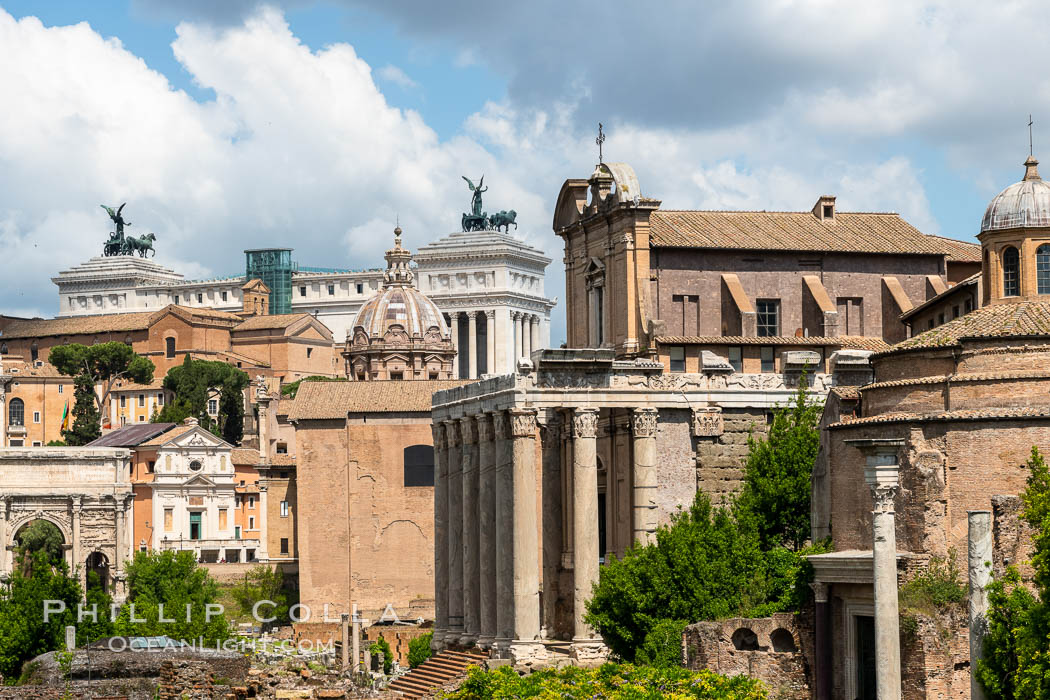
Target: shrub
419, 649
938, 589
663, 645
380, 645
611, 681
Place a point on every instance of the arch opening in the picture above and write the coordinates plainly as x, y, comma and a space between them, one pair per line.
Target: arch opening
744, 639
782, 640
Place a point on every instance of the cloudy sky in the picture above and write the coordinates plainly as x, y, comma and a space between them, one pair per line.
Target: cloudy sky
237, 124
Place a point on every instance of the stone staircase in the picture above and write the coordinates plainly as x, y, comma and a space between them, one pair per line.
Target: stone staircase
436, 672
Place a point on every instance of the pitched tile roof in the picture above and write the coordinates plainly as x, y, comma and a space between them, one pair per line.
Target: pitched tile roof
960, 251
1013, 413
857, 342
334, 400
244, 455
258, 323
767, 230
1019, 319
169, 435
958, 288
846, 393
32, 369
79, 325
132, 435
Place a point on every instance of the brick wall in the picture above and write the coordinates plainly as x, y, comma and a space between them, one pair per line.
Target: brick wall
720, 460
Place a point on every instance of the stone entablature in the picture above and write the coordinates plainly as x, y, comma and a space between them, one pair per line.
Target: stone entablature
84, 491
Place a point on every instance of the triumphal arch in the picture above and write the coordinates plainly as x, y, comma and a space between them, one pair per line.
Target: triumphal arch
83, 491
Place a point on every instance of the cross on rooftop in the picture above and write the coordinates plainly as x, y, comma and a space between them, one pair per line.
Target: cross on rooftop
1030, 151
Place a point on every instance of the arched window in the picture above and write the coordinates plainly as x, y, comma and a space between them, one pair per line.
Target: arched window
169, 348
16, 412
1042, 268
1011, 273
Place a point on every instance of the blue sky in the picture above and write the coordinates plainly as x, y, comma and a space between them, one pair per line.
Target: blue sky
233, 124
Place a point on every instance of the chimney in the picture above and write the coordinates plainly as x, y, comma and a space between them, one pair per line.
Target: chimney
824, 209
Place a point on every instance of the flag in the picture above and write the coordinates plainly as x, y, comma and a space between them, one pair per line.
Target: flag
65, 417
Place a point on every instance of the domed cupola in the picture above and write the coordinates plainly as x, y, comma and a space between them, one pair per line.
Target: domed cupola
399, 333
1015, 241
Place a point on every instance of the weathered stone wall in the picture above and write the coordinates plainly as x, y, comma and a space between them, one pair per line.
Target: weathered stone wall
676, 466
1012, 537
720, 459
776, 650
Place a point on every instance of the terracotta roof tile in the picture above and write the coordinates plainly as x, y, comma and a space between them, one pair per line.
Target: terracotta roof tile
257, 323
334, 400
1020, 319
844, 341
32, 369
766, 230
960, 251
846, 393
169, 435
283, 460
79, 325
244, 455
1014, 413
967, 377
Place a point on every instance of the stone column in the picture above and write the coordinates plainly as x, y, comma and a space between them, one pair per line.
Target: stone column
263, 553
504, 535
4, 554
516, 323
490, 338
551, 499
585, 525
454, 329
78, 508
821, 646
486, 531
979, 547
882, 474
526, 643
455, 533
643, 475
344, 639
472, 343
471, 574
534, 334
441, 547
526, 350
355, 621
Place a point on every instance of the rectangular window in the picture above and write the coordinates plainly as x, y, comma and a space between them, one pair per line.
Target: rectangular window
360, 288
331, 290
169, 517
251, 523
768, 318
36, 416
929, 324
36, 443
224, 296
17, 443
195, 525
284, 509
940, 319
302, 291
768, 359
282, 448
213, 406
284, 545
968, 306
237, 532
123, 401
142, 400
736, 358
309, 351
60, 388
200, 298
160, 399
176, 299
222, 518
955, 311
251, 501
150, 466
676, 353
169, 347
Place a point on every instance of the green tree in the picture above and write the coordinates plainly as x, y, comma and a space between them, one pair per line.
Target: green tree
44, 537
1016, 663
419, 649
101, 366
99, 601
194, 382
174, 580
380, 646
262, 583
24, 631
776, 491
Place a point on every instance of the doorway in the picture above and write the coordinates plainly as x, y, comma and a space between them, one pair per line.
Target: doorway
195, 525
865, 656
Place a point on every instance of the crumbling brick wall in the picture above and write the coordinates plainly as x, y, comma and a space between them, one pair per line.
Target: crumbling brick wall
720, 458
776, 650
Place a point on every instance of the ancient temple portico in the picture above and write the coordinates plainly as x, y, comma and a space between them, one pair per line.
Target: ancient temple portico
543, 474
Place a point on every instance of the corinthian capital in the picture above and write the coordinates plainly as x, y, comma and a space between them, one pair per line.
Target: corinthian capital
643, 422
522, 422
585, 422
883, 496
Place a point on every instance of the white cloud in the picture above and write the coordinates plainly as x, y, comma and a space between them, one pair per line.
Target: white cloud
395, 75
301, 148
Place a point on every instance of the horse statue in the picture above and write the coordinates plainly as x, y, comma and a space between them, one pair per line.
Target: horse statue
140, 245
504, 219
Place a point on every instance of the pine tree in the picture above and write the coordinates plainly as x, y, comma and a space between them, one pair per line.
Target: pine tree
86, 424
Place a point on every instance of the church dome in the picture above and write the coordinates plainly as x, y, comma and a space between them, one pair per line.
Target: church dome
399, 333
1023, 204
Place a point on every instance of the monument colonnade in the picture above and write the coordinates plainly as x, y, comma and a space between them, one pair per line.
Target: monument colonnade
489, 467
524, 327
